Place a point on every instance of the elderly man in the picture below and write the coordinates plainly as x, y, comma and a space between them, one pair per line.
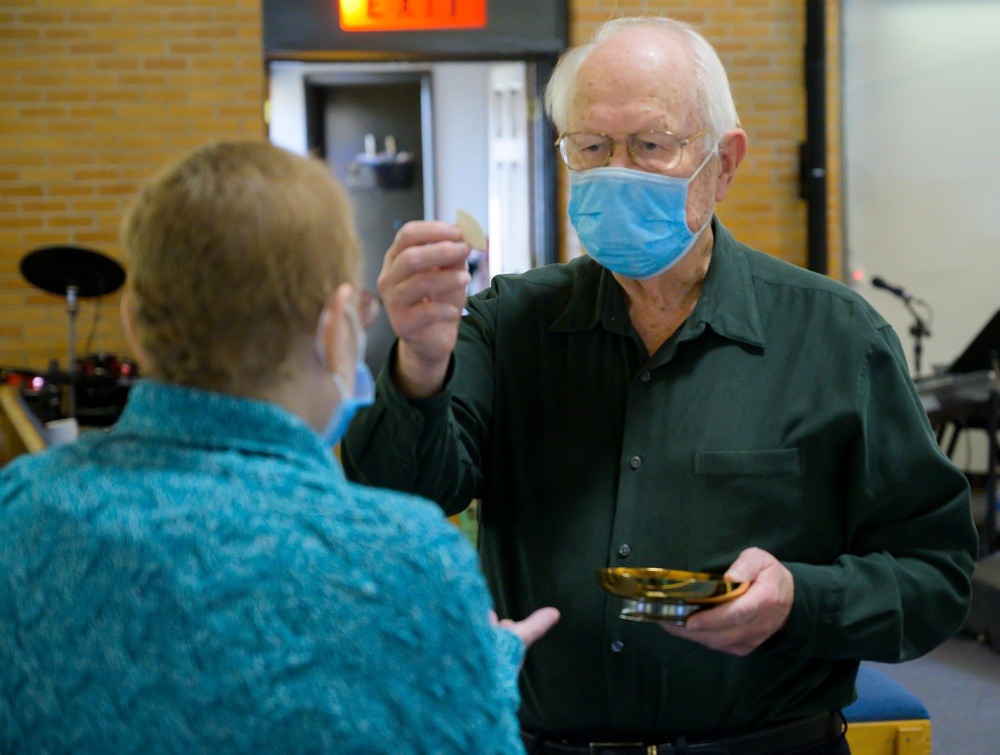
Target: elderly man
673, 399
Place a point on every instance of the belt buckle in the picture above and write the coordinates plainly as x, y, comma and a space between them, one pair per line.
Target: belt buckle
596, 748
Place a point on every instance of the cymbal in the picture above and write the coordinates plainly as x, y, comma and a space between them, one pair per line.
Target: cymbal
55, 268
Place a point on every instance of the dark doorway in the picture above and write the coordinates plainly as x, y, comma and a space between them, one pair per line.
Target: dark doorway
372, 133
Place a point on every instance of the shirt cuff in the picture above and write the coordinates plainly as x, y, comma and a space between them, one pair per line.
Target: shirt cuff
416, 412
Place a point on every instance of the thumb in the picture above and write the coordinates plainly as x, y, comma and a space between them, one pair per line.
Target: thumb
536, 625
748, 565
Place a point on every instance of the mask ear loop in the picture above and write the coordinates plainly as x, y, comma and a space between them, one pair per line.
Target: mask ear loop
714, 150
338, 379
359, 334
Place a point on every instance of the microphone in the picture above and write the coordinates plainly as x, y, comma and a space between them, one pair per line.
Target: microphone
879, 282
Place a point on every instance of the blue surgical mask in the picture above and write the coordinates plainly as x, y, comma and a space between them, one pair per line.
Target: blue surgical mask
632, 222
364, 386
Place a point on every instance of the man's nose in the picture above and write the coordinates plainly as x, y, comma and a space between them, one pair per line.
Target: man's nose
619, 156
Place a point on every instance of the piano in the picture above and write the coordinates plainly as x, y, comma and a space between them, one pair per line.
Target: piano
967, 397
955, 398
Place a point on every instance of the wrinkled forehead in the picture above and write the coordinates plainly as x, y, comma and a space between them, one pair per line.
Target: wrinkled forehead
639, 74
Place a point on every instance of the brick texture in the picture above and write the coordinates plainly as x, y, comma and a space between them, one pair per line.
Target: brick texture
96, 96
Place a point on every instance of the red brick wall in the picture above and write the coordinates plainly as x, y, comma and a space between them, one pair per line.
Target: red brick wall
96, 97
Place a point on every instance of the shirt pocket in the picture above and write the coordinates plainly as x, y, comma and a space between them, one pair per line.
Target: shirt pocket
746, 498
758, 463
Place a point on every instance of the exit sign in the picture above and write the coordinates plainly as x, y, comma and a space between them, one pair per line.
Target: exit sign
411, 15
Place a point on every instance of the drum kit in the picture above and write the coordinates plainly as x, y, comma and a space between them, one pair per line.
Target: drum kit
95, 386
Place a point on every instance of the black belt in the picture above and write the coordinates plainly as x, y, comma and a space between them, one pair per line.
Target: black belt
769, 740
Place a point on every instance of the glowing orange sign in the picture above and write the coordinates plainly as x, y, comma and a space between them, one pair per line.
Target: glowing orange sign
405, 15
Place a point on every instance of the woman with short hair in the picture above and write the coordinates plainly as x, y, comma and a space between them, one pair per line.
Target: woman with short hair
202, 577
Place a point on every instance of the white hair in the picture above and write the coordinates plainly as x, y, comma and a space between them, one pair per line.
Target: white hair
713, 96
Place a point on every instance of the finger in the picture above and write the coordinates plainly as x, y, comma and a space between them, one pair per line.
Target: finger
444, 285
419, 259
735, 615
492, 615
420, 232
738, 641
420, 243
537, 624
748, 565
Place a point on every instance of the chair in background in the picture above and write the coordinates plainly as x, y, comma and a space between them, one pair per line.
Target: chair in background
886, 719
22, 431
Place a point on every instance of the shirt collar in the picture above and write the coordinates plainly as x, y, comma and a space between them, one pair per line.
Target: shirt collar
586, 299
727, 305
728, 301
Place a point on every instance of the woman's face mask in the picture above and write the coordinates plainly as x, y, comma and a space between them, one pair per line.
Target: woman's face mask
364, 384
632, 222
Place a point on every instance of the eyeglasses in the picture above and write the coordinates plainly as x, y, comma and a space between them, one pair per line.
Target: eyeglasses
367, 304
650, 150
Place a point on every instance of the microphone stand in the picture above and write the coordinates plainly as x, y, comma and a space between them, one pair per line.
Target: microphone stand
918, 330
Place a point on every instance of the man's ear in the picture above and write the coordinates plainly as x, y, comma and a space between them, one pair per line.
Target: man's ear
732, 150
131, 337
333, 335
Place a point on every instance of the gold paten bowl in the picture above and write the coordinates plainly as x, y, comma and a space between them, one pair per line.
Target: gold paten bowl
666, 595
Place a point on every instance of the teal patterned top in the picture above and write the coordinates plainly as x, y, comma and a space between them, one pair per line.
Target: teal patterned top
202, 577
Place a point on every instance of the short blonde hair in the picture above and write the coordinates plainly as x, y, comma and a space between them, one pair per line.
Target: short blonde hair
233, 251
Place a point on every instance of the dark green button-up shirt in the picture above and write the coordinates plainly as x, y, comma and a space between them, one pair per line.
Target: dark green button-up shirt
780, 415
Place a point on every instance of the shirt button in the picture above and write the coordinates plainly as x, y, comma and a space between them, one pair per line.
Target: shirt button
624, 550
644, 376
617, 646
635, 462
